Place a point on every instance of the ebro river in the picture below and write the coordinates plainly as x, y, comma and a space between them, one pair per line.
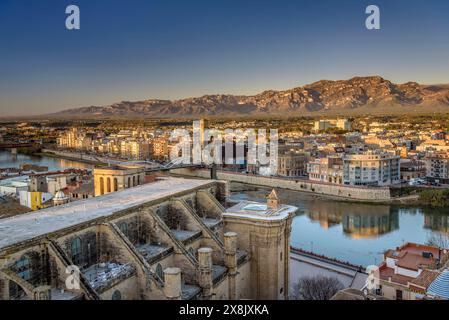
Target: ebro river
355, 232
9, 160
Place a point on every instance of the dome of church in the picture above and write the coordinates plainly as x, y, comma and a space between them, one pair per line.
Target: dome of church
60, 196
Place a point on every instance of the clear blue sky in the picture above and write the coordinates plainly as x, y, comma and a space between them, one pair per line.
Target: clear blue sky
132, 50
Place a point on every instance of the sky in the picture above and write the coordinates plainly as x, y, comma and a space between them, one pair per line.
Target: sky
169, 49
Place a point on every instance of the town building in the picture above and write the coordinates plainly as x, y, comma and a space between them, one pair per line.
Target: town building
135, 149
12, 186
413, 170
35, 200
291, 164
116, 178
75, 139
437, 167
342, 124
328, 170
81, 190
408, 271
371, 169
171, 239
159, 148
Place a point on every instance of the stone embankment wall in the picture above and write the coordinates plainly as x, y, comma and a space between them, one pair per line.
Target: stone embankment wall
372, 194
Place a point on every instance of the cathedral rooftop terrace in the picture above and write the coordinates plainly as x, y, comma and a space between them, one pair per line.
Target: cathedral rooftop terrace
39, 223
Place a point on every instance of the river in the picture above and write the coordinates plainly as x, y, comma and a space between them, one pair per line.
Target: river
355, 232
9, 160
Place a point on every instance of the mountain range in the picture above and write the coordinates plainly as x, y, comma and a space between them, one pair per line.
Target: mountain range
371, 94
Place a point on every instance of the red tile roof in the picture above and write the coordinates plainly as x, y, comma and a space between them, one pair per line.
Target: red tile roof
386, 273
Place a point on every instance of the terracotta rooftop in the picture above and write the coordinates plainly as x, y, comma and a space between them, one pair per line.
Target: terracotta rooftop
414, 261
386, 273
411, 256
425, 278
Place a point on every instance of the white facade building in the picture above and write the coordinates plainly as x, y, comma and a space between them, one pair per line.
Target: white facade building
371, 169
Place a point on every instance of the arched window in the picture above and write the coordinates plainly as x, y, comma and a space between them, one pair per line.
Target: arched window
129, 182
138, 180
159, 271
115, 184
123, 226
134, 181
15, 291
76, 251
117, 295
23, 268
108, 184
101, 186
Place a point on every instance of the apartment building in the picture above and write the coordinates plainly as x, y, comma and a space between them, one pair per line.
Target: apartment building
159, 148
292, 165
75, 139
412, 170
343, 124
437, 167
371, 169
328, 169
135, 149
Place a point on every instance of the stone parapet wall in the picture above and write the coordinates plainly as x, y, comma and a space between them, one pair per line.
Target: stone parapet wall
348, 192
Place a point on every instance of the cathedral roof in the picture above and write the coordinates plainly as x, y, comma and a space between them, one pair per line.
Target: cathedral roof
38, 223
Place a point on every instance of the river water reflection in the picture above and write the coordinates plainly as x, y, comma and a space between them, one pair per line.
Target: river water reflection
358, 233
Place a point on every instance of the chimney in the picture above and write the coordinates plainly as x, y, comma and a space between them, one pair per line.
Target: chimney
230, 244
172, 288
205, 271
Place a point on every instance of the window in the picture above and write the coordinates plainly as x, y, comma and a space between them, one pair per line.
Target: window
129, 182
101, 185
76, 251
159, 271
280, 256
108, 185
398, 294
138, 180
115, 184
24, 268
116, 295
134, 181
